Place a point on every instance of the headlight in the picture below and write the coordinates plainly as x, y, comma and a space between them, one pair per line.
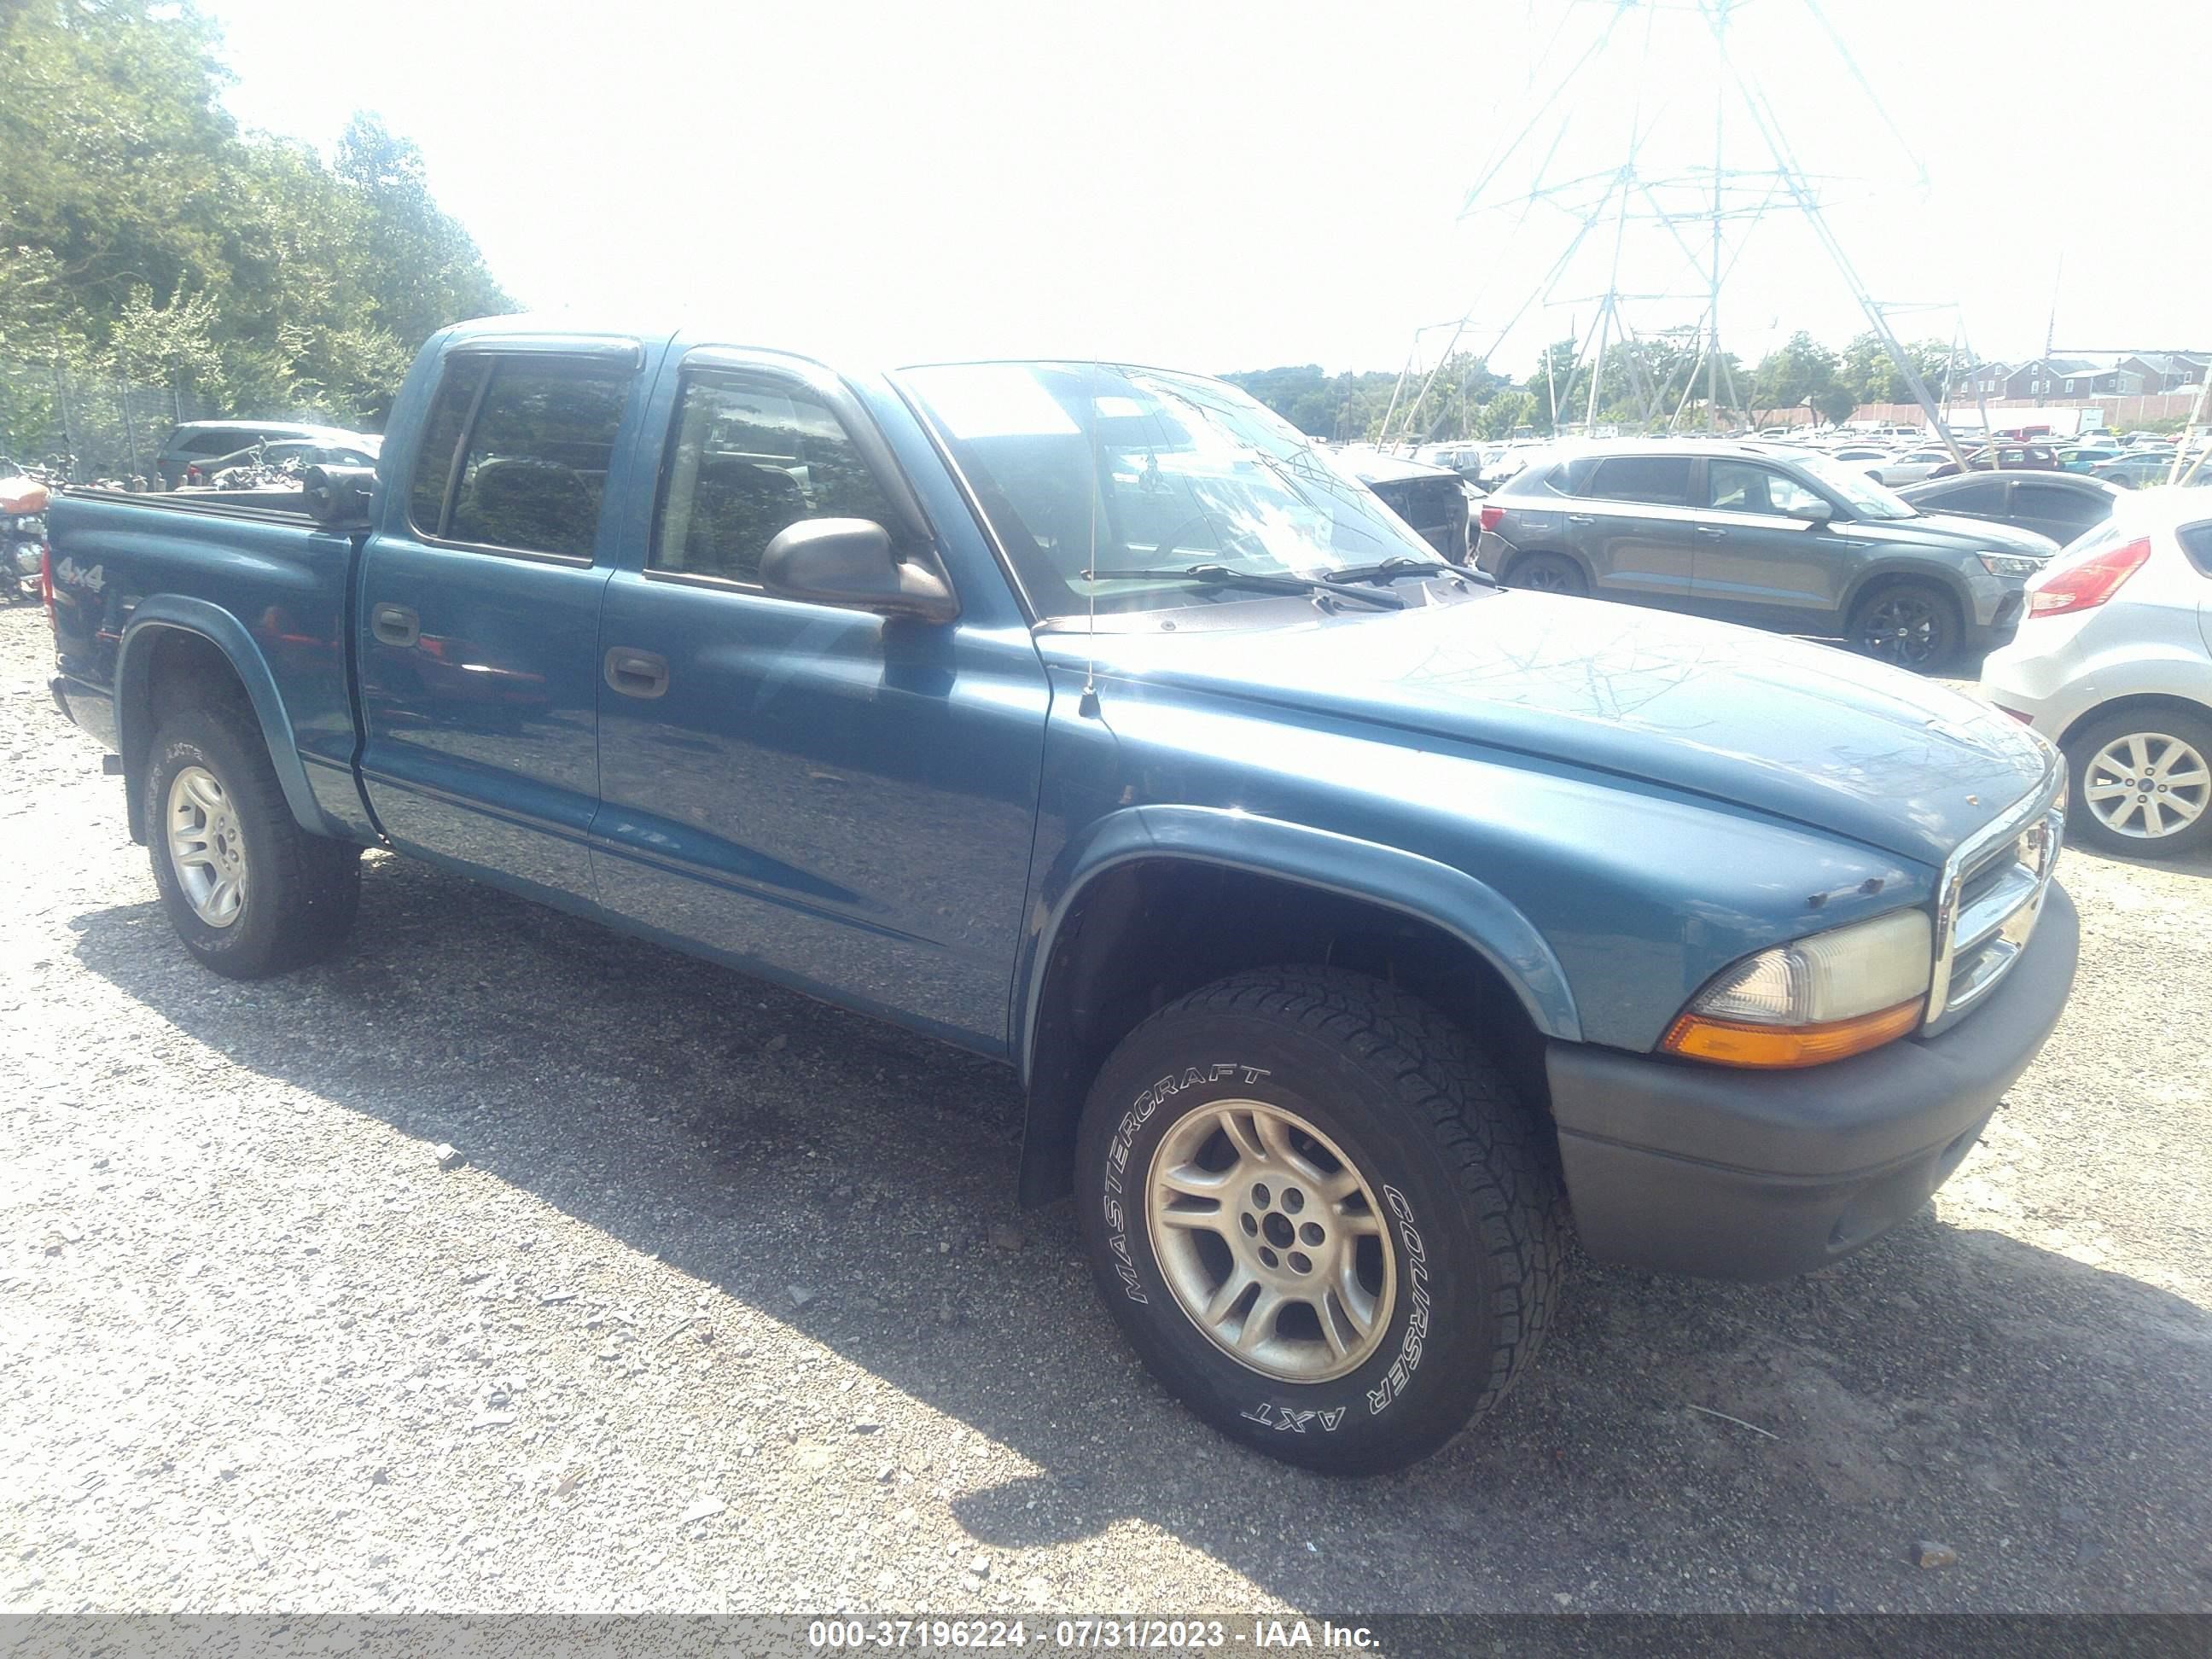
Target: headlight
2010, 564
1817, 1000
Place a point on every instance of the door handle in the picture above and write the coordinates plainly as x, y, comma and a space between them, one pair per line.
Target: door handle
636, 673
1710, 533
395, 624
1580, 518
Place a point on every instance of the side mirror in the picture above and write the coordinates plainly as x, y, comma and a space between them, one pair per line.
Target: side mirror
849, 562
1815, 512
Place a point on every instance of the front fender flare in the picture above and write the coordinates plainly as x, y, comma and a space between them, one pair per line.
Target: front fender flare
136, 718
1437, 893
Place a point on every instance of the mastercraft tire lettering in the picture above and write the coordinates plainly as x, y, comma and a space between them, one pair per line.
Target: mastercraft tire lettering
1319, 1215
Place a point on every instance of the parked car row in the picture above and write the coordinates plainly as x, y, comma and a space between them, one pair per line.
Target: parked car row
198, 451
1752, 533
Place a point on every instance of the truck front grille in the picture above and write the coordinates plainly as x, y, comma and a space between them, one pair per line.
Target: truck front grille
1991, 893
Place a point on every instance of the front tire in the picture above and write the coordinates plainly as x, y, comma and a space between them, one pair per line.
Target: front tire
2141, 782
1907, 624
1320, 1216
249, 892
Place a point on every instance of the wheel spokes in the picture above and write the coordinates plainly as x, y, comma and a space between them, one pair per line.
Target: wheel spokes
1245, 1136
1261, 1321
1231, 1291
1252, 1211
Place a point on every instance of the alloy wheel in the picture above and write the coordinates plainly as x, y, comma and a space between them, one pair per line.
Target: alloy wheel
2146, 786
1901, 629
206, 849
1271, 1240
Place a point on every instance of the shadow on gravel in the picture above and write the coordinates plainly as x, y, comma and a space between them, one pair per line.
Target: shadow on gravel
2049, 1420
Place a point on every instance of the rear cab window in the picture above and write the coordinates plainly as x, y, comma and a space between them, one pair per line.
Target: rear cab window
516, 453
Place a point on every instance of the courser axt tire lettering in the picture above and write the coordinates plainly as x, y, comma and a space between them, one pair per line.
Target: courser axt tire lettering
1320, 1216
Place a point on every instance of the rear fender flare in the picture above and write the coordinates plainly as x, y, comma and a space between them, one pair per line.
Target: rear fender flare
136, 718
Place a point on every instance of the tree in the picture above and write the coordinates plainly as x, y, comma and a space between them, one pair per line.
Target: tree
142, 236
1508, 410
1873, 377
1796, 375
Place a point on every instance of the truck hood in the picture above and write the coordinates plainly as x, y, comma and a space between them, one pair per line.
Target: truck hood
1804, 732
1949, 529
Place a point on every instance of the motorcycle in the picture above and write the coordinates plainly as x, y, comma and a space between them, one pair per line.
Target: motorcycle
23, 498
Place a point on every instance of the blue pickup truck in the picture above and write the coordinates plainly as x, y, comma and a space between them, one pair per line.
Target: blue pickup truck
1355, 925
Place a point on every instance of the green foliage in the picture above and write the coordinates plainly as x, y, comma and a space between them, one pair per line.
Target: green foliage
1795, 375
143, 237
1871, 376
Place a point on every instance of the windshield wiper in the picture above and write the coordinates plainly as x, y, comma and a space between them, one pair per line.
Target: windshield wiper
1220, 575
1402, 565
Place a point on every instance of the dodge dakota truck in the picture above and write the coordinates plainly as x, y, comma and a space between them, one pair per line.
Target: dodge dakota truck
1356, 925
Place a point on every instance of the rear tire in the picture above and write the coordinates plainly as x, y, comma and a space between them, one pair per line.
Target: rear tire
1320, 1216
249, 892
2108, 762
1548, 573
1908, 625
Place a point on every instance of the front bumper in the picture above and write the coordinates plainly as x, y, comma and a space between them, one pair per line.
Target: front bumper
1677, 1167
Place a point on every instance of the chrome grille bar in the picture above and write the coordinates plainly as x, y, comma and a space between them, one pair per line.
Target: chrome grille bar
2008, 864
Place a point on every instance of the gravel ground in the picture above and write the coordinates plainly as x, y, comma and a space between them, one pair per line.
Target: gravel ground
727, 1308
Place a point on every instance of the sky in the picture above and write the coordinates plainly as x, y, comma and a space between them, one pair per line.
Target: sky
1225, 186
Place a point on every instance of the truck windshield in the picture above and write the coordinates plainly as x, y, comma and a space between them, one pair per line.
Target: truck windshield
1087, 467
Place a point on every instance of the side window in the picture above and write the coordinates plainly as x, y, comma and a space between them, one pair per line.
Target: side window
1785, 495
210, 443
2196, 540
1983, 495
535, 468
441, 439
1661, 480
1736, 486
2042, 500
748, 457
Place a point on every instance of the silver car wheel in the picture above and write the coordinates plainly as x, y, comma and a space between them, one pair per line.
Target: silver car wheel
206, 849
1271, 1240
2146, 786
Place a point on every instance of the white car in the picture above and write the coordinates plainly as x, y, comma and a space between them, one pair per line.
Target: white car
2114, 664
1909, 466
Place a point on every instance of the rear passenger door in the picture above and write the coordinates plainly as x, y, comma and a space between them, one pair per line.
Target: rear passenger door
478, 615
1756, 562
1631, 527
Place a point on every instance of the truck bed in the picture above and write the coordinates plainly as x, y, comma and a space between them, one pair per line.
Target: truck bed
135, 575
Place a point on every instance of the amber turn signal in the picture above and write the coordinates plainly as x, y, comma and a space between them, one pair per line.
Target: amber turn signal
1730, 1043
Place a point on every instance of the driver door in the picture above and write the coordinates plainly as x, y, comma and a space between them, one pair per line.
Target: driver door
1754, 562
835, 799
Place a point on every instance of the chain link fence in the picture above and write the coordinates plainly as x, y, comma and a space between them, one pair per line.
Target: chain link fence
106, 428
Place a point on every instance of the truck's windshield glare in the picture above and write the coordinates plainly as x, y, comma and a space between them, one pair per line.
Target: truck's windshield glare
1085, 467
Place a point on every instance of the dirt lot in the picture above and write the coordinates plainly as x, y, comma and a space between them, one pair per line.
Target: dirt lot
728, 1308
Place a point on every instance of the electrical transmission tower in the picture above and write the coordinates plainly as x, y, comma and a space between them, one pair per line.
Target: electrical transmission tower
1697, 159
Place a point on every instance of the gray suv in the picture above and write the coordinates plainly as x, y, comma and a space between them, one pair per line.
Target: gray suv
1798, 543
